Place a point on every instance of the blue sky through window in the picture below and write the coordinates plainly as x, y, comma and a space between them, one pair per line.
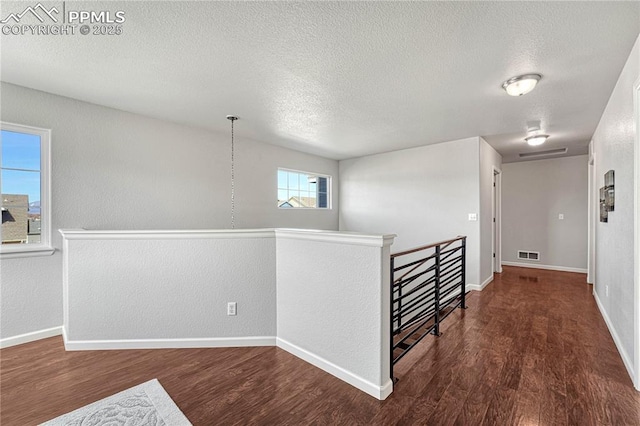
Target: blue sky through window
21, 151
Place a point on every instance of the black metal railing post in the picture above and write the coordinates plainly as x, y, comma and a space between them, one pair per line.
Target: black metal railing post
391, 333
463, 290
436, 328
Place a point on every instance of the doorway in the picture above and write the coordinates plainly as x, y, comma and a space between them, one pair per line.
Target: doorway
495, 225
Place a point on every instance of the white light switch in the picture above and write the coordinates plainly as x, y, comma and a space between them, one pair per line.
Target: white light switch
561, 216
473, 216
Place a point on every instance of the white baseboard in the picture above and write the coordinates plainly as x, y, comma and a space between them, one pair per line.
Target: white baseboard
222, 342
379, 392
30, 337
476, 287
626, 359
547, 267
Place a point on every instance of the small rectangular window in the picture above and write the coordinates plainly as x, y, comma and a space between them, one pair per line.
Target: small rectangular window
303, 190
24, 184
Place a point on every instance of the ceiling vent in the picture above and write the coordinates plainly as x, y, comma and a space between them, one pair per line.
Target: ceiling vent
528, 255
548, 153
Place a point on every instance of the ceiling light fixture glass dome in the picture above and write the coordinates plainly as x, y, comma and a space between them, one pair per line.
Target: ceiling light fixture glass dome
521, 85
536, 139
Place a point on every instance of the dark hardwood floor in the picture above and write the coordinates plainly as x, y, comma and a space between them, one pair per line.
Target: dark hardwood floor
532, 349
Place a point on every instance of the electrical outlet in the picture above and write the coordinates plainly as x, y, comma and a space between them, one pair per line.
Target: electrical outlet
561, 216
232, 308
473, 216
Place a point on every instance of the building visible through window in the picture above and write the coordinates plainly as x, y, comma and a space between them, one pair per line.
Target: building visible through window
23, 186
303, 190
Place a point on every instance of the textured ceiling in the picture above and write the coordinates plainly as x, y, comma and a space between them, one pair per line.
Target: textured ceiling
344, 79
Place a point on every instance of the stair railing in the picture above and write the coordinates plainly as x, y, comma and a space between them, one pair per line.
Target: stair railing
427, 284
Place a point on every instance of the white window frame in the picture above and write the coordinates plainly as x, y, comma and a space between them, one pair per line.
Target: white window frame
44, 248
329, 189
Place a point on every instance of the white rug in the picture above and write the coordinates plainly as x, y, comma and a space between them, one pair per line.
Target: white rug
147, 404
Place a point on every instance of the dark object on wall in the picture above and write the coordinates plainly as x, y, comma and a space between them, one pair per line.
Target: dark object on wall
604, 213
609, 195
609, 199
609, 179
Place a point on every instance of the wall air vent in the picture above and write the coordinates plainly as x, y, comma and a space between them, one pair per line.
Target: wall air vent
528, 255
547, 153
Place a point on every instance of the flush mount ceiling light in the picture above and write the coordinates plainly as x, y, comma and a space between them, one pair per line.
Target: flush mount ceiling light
521, 85
536, 139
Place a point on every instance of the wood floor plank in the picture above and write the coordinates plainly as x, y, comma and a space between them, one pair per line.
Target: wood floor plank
531, 349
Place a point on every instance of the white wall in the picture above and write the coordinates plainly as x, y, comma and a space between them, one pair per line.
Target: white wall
490, 160
613, 143
116, 170
421, 194
333, 306
132, 287
534, 193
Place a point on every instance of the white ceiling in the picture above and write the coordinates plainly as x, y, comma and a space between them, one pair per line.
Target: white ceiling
344, 79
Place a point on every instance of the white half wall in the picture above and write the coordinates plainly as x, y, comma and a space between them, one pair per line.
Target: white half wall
534, 194
321, 295
333, 305
117, 170
613, 145
136, 286
421, 194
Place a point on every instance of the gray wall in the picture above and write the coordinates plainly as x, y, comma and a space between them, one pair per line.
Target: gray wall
116, 170
613, 143
489, 159
421, 194
134, 289
534, 193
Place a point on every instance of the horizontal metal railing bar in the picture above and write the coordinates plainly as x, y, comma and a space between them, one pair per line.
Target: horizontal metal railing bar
406, 303
412, 269
447, 253
439, 243
413, 262
425, 313
451, 273
454, 284
449, 277
420, 262
423, 260
422, 297
445, 271
416, 302
448, 259
428, 311
452, 269
418, 287
411, 330
406, 281
458, 303
444, 294
413, 305
421, 301
446, 288
424, 319
422, 336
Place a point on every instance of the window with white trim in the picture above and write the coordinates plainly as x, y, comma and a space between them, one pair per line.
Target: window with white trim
24, 187
303, 190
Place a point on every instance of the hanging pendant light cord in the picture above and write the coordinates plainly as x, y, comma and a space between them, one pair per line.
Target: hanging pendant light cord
233, 195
